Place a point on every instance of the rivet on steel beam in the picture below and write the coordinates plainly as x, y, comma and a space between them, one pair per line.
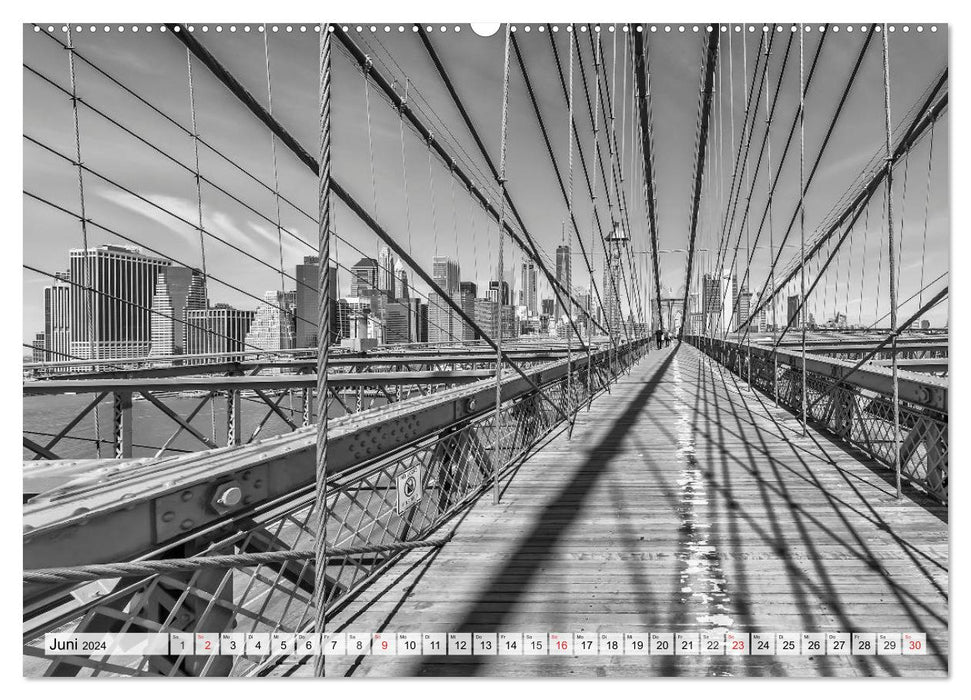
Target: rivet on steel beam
168, 516
187, 523
187, 495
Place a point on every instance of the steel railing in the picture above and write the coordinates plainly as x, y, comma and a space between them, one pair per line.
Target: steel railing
454, 466
852, 404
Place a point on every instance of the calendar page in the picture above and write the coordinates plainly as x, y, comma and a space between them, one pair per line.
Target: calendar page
524, 349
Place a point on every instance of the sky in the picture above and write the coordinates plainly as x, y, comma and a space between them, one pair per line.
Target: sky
416, 198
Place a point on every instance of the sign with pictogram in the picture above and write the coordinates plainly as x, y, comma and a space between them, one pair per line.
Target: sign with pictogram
409, 488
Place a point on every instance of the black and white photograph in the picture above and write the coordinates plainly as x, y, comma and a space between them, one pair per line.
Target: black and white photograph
531, 350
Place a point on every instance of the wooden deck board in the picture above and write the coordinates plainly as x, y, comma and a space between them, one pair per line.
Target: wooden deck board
684, 502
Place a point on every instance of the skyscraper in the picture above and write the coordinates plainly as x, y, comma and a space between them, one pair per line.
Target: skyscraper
742, 304
386, 272
794, 311
112, 318
487, 316
548, 307
467, 291
564, 270
717, 301
445, 272
272, 327
499, 291
423, 323
57, 319
529, 287
177, 290
401, 290
444, 324
308, 276
364, 277
219, 331
38, 349
401, 321
307, 299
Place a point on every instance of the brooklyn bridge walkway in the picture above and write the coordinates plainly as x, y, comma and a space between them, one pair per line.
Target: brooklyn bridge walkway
684, 502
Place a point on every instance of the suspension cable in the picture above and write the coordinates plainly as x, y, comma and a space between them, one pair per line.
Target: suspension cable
802, 219
321, 586
276, 172
497, 463
460, 106
892, 262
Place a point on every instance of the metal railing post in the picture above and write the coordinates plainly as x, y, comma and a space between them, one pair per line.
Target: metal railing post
122, 410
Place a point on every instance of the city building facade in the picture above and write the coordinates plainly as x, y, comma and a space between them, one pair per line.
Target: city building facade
111, 308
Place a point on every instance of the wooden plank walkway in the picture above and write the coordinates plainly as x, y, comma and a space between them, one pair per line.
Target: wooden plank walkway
684, 502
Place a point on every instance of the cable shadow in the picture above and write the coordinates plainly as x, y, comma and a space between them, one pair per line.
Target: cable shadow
864, 554
556, 518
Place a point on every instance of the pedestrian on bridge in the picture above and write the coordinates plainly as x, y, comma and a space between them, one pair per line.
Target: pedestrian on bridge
659, 337
667, 338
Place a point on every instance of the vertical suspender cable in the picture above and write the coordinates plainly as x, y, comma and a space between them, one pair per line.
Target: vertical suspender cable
276, 171
748, 188
593, 215
323, 341
569, 262
198, 176
768, 182
927, 201
802, 217
593, 193
892, 261
501, 180
86, 266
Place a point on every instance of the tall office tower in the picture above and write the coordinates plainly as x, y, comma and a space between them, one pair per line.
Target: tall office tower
399, 323
510, 324
38, 349
793, 315
585, 301
499, 291
467, 292
401, 290
386, 272
364, 278
444, 325
487, 316
528, 288
272, 327
177, 290
564, 274
445, 272
423, 323
548, 307
308, 281
219, 331
617, 241
717, 301
111, 310
743, 309
290, 301
340, 326
57, 319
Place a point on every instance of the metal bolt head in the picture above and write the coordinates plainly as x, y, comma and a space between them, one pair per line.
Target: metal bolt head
230, 497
